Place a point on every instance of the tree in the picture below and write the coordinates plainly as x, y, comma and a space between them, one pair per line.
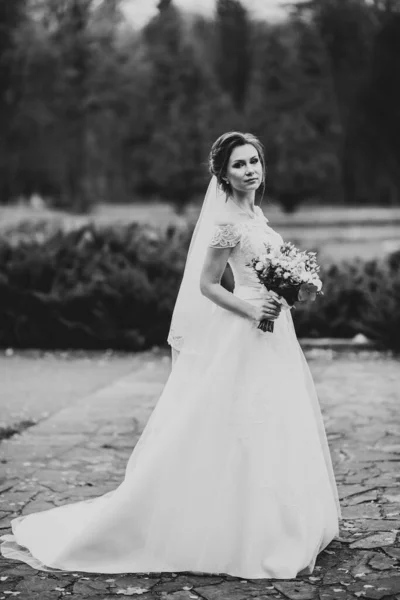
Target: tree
380, 178
290, 108
72, 43
12, 20
233, 50
347, 30
186, 111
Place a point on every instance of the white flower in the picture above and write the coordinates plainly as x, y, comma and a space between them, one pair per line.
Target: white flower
318, 283
259, 266
286, 275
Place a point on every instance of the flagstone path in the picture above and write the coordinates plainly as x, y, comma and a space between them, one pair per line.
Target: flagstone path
78, 447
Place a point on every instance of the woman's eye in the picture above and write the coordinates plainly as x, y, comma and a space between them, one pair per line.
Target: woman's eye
254, 160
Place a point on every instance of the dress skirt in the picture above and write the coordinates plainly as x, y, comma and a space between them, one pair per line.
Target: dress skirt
232, 473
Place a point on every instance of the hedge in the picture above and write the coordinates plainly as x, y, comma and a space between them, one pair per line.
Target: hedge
90, 287
359, 297
99, 287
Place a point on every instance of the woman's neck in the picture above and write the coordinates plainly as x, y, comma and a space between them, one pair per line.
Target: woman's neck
244, 200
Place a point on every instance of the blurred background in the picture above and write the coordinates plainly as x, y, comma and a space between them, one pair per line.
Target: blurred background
108, 110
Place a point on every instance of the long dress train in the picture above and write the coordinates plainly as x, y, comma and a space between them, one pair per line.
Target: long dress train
232, 473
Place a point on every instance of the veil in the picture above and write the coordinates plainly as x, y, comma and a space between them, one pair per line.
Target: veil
192, 310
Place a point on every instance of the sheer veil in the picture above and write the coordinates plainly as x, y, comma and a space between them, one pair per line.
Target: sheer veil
192, 310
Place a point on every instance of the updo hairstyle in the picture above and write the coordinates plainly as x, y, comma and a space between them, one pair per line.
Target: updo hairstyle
222, 149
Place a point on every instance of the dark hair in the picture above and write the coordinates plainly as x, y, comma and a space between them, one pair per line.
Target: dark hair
222, 149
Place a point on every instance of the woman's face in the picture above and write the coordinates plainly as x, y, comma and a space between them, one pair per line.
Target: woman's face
244, 171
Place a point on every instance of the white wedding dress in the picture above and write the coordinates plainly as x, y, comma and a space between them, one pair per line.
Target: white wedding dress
232, 473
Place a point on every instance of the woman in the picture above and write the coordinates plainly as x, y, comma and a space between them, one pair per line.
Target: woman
232, 473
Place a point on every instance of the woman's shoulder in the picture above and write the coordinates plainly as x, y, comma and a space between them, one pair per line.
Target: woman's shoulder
227, 216
226, 232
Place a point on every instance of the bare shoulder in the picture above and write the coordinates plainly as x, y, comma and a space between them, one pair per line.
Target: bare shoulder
227, 218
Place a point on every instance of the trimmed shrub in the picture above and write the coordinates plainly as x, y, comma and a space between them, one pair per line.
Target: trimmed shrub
115, 287
359, 297
111, 287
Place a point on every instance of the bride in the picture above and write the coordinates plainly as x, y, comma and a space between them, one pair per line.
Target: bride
232, 473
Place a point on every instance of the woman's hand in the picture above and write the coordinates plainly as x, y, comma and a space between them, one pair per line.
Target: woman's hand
307, 291
269, 310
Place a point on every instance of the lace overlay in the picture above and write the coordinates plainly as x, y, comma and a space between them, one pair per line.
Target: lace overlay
248, 237
225, 236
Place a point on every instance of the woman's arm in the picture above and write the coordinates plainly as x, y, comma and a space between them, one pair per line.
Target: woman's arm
210, 284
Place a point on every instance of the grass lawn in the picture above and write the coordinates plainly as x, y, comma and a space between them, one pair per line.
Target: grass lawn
337, 232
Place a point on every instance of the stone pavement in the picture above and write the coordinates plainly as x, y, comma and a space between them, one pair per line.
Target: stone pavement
81, 451
35, 383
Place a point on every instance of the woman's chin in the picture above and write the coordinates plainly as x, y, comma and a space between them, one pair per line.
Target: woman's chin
252, 185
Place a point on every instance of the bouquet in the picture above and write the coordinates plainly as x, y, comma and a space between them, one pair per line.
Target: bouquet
283, 270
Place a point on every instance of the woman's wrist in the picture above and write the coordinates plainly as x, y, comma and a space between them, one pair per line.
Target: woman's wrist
251, 312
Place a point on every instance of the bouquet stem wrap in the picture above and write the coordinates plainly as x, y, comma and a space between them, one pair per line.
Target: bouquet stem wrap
289, 293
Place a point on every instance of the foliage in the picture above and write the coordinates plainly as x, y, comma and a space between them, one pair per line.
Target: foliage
12, 23
92, 109
291, 107
185, 106
234, 41
115, 287
89, 287
359, 297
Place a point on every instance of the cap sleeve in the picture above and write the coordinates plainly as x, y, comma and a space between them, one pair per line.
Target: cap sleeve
225, 235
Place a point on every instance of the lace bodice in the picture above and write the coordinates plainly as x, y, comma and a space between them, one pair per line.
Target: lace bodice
247, 236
